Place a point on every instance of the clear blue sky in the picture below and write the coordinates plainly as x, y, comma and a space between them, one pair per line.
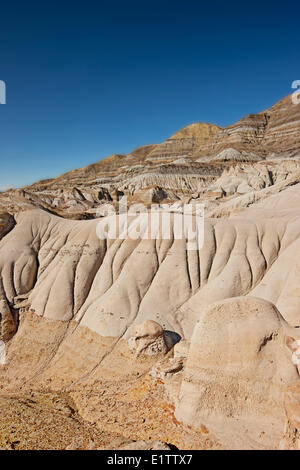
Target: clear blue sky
88, 79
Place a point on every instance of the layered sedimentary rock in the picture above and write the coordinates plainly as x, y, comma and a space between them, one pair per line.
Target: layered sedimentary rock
67, 272
271, 133
188, 164
193, 338
184, 142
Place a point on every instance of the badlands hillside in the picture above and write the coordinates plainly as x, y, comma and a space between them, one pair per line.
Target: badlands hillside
142, 343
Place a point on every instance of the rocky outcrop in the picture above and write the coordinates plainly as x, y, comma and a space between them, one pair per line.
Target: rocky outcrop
194, 162
6, 223
200, 332
236, 372
184, 142
67, 272
148, 339
271, 133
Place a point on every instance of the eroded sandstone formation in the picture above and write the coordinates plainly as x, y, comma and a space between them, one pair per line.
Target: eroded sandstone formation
236, 373
139, 332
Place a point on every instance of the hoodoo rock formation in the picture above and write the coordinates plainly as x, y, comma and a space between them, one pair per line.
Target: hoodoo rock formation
143, 340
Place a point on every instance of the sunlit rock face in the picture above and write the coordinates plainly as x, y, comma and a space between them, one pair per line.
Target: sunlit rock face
201, 161
236, 373
151, 338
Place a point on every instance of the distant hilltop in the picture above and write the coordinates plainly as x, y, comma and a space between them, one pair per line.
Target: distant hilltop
192, 163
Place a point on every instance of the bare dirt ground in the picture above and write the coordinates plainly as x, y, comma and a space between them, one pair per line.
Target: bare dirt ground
122, 414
